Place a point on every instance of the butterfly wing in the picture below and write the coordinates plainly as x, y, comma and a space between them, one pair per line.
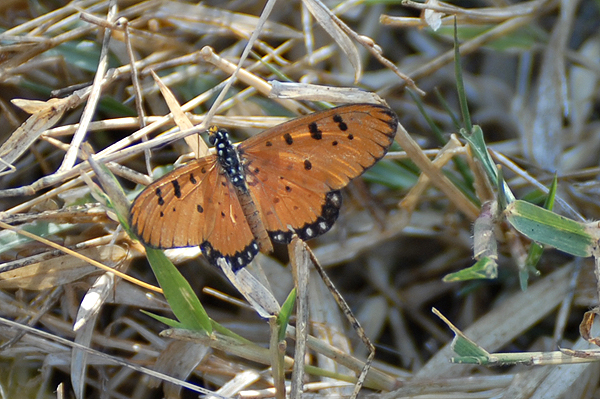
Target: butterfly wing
295, 169
194, 205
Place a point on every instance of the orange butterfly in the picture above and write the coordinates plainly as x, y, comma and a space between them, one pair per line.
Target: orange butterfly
285, 180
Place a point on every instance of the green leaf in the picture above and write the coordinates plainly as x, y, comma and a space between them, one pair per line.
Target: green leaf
460, 86
520, 39
536, 250
10, 239
548, 228
83, 54
485, 268
283, 318
115, 108
391, 174
183, 300
165, 320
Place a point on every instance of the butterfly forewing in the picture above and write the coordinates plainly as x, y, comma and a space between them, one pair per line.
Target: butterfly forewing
293, 168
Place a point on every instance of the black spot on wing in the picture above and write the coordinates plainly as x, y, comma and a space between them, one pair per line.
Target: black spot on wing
160, 200
307, 165
314, 130
340, 122
288, 139
176, 188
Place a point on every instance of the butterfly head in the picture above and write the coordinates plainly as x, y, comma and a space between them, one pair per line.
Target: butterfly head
216, 135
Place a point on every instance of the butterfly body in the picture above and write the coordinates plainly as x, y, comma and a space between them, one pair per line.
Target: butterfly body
232, 166
283, 181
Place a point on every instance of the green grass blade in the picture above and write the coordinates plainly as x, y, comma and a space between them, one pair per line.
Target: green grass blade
485, 268
181, 297
548, 228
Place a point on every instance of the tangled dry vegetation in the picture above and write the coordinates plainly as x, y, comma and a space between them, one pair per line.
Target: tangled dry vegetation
530, 73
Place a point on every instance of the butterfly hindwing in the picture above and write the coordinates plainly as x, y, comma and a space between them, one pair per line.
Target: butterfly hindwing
286, 206
194, 205
295, 169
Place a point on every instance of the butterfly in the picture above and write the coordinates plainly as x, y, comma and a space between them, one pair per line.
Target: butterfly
283, 181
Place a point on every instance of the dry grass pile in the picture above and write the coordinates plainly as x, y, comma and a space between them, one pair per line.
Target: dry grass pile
530, 73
